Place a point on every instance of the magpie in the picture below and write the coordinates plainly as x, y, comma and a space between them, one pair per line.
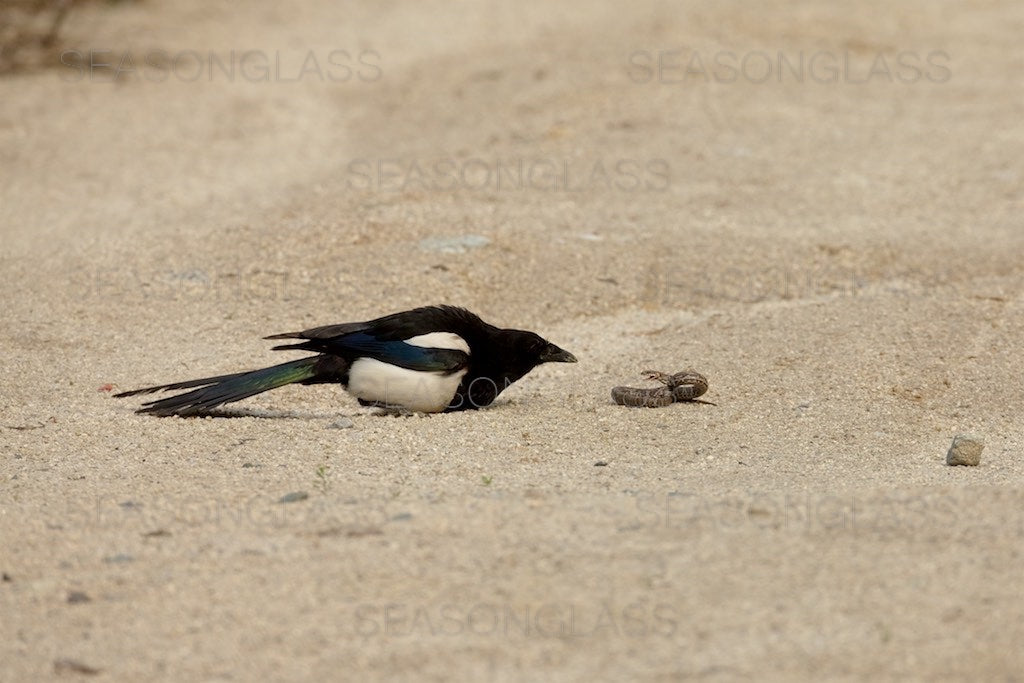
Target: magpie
431, 359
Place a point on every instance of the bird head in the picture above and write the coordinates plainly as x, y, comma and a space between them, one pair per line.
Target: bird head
526, 350
511, 354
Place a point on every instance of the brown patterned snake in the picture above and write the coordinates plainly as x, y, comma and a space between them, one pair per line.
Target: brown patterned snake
682, 386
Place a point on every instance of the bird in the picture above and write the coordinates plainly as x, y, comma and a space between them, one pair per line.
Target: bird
430, 359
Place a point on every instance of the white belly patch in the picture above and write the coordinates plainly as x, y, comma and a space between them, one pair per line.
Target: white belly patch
379, 382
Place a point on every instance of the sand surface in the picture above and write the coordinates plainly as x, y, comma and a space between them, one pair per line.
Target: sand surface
839, 253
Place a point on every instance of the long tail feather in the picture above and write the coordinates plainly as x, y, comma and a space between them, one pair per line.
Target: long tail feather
216, 391
181, 385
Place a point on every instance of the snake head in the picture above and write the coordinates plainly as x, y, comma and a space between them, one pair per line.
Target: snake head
656, 376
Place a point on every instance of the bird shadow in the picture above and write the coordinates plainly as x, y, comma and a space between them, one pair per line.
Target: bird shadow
265, 414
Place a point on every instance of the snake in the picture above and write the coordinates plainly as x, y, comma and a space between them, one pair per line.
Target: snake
681, 386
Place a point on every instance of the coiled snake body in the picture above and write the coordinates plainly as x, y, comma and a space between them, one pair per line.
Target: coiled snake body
682, 386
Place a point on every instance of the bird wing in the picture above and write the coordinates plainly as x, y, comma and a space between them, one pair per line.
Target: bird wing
394, 352
325, 332
398, 326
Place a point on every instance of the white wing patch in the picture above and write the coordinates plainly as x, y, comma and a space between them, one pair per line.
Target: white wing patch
439, 340
424, 392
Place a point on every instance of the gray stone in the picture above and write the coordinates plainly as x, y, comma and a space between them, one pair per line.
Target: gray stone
190, 275
342, 423
120, 558
454, 245
966, 450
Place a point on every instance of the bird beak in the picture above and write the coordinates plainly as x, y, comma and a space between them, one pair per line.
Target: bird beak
553, 354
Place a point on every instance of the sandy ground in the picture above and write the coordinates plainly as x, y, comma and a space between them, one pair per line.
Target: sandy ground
839, 252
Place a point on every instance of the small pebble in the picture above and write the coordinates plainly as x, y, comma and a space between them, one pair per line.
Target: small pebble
966, 450
600, 463
6, 578
342, 423
65, 666
294, 497
78, 597
156, 533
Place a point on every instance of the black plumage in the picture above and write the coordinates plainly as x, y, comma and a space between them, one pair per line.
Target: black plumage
430, 359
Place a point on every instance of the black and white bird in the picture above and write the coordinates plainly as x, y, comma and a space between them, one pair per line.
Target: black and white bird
431, 359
